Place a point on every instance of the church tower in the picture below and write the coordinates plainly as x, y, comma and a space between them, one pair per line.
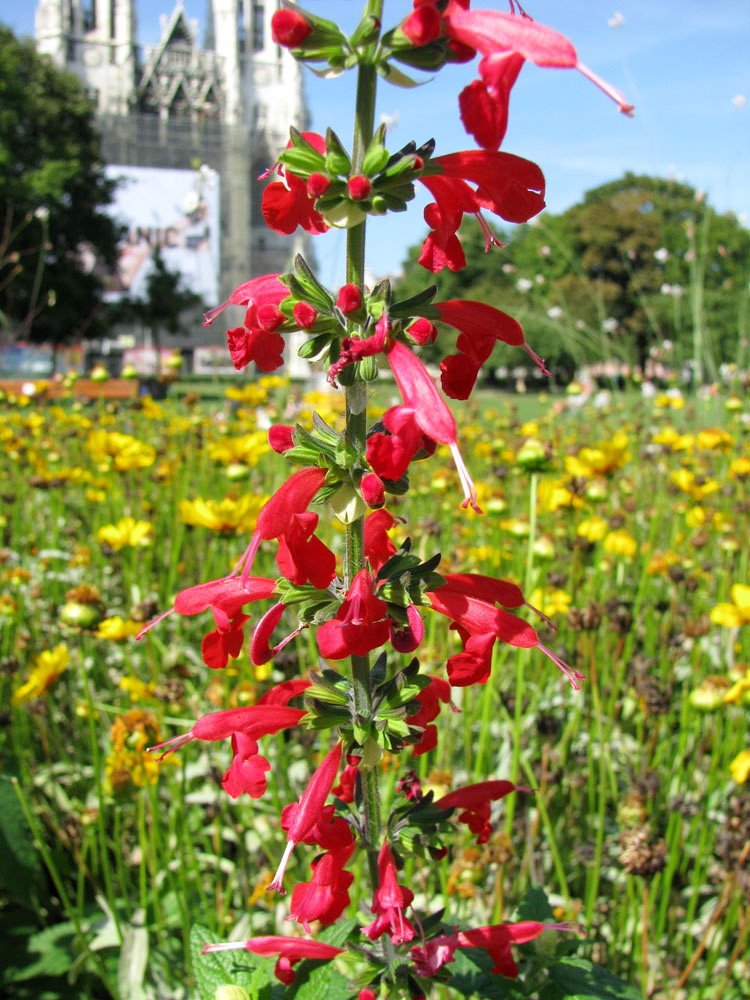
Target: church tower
227, 103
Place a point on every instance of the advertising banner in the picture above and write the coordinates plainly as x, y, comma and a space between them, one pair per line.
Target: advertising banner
176, 210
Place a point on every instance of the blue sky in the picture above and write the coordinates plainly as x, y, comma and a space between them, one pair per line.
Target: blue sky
681, 64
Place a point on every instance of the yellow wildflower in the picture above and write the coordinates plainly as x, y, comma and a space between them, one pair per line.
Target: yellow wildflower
554, 494
593, 529
738, 612
246, 449
117, 629
620, 543
740, 767
714, 439
226, 515
695, 517
551, 602
739, 691
672, 399
49, 665
109, 448
131, 734
136, 688
739, 468
660, 562
126, 533
252, 394
606, 457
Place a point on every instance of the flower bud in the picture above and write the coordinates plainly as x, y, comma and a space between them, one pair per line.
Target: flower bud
317, 185
373, 490
269, 317
304, 315
423, 25
289, 28
281, 438
359, 187
349, 300
533, 456
422, 331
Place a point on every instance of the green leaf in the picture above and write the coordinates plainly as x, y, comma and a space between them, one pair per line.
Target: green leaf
472, 977
253, 973
535, 906
579, 979
20, 864
49, 952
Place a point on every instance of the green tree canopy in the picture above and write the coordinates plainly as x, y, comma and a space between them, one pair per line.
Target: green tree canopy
639, 261
52, 192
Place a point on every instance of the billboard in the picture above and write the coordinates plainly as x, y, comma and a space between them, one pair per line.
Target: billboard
176, 210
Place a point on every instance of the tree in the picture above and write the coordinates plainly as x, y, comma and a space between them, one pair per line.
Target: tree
52, 192
639, 261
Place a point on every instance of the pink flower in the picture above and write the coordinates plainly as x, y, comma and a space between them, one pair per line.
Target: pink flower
361, 624
289, 950
434, 954
305, 814
475, 802
389, 902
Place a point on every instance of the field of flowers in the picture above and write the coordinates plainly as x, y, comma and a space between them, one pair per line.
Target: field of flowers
627, 525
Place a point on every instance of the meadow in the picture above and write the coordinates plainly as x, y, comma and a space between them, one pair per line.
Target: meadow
626, 523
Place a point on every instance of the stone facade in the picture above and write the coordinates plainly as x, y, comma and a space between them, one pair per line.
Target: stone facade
227, 103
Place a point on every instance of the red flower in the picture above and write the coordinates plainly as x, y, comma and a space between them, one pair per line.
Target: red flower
287, 204
475, 802
302, 557
289, 950
435, 953
506, 40
326, 895
361, 625
378, 546
253, 721
303, 815
429, 698
389, 902
481, 326
224, 642
253, 293
496, 941
247, 772
430, 411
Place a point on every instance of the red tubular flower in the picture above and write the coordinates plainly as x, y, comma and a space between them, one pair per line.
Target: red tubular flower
507, 185
265, 349
492, 31
423, 25
306, 813
405, 638
287, 204
429, 698
281, 438
289, 28
247, 772
480, 326
435, 953
484, 103
302, 557
378, 546
475, 802
257, 291
289, 950
431, 412
497, 939
326, 895
224, 642
361, 624
389, 902
253, 721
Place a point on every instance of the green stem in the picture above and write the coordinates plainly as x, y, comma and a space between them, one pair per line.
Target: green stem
356, 431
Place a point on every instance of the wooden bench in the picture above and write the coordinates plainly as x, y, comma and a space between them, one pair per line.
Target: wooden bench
113, 388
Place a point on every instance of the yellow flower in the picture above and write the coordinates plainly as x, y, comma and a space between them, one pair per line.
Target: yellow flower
606, 457
714, 439
593, 529
739, 468
620, 543
131, 734
660, 562
246, 449
695, 517
672, 399
739, 691
554, 494
136, 687
551, 602
226, 515
127, 532
738, 612
117, 629
686, 481
49, 665
109, 448
740, 767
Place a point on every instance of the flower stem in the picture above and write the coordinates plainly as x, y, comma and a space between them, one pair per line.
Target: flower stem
356, 431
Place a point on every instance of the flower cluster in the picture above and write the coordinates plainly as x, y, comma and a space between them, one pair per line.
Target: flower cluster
374, 600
